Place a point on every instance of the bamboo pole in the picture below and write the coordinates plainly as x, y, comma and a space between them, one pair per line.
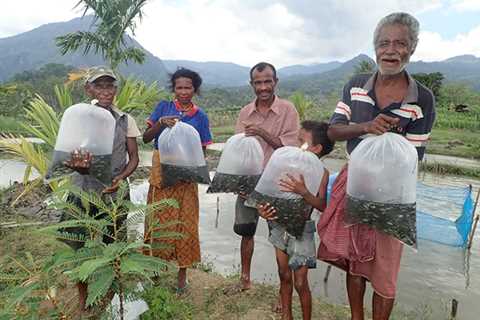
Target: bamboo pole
477, 217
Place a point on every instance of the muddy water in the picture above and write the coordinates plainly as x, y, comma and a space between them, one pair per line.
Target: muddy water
432, 276
11, 171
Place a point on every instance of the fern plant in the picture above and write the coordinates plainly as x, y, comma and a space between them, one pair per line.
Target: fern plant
113, 268
30, 289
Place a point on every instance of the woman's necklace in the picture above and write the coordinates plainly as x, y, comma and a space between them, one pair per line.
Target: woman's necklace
185, 109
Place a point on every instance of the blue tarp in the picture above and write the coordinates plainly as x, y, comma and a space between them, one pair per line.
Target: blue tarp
444, 214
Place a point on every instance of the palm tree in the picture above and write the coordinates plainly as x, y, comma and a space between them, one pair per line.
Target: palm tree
112, 19
301, 103
364, 67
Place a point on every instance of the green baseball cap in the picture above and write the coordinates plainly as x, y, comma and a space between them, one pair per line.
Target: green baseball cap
97, 72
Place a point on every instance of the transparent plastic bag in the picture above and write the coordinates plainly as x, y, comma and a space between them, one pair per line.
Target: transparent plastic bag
181, 155
292, 210
88, 128
240, 165
381, 186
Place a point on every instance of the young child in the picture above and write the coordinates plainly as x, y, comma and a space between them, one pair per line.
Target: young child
296, 255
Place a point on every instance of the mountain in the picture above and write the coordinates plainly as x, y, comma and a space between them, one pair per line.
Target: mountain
299, 69
322, 83
465, 68
215, 74
35, 48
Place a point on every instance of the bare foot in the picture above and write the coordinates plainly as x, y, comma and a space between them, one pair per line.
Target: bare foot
241, 286
245, 283
277, 307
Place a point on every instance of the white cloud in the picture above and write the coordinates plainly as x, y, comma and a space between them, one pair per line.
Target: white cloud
466, 5
432, 47
22, 15
283, 32
246, 31
219, 31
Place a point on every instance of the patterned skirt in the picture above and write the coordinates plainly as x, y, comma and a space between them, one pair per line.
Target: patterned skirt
186, 249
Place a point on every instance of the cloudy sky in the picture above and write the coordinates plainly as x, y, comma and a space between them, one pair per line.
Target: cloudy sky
283, 32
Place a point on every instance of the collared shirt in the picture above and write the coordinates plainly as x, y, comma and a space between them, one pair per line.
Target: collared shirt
132, 128
196, 117
416, 112
281, 121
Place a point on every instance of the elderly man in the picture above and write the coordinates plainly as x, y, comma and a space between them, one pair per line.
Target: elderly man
101, 86
388, 100
275, 123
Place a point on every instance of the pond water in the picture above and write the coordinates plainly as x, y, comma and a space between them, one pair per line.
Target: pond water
429, 278
432, 276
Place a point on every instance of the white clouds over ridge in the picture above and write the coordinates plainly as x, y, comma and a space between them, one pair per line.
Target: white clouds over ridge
432, 47
284, 32
246, 31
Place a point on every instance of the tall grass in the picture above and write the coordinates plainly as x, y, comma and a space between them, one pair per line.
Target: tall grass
10, 125
456, 120
223, 117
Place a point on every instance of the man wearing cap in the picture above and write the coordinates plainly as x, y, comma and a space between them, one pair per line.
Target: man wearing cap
101, 86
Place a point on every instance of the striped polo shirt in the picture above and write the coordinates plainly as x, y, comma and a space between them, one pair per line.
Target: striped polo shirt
416, 112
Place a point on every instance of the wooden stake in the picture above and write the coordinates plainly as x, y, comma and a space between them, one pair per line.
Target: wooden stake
453, 315
327, 274
218, 212
472, 233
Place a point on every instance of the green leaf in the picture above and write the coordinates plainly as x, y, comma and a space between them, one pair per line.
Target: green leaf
87, 268
99, 286
149, 263
128, 265
167, 235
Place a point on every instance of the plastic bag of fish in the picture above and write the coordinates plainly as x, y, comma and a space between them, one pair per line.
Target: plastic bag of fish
88, 128
381, 186
181, 155
240, 166
292, 210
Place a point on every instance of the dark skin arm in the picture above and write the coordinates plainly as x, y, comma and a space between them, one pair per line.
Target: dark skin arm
132, 149
254, 130
297, 185
80, 161
381, 124
163, 122
267, 211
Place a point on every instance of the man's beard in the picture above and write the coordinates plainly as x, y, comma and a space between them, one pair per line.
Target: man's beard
402, 67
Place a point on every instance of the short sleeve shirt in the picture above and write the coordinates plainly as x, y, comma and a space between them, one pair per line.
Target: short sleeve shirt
196, 117
132, 128
416, 112
281, 121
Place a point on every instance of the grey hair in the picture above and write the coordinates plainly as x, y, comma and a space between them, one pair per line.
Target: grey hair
403, 19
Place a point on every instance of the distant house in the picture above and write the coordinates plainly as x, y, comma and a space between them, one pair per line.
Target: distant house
461, 108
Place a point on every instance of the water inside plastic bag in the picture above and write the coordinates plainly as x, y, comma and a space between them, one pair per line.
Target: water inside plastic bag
89, 128
381, 186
